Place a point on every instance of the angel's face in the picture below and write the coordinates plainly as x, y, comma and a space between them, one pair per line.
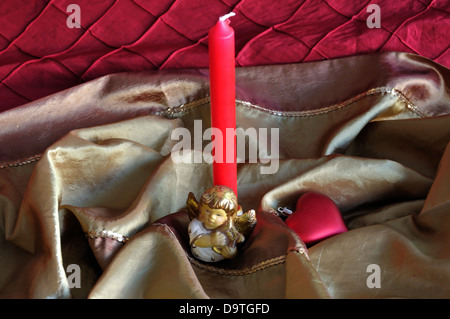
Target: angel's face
212, 217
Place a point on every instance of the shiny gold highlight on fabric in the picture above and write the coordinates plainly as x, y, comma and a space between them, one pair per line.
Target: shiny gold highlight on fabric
87, 178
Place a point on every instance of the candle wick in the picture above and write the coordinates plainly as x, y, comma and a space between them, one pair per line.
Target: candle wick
223, 18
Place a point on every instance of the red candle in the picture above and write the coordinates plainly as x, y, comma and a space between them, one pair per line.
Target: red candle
223, 105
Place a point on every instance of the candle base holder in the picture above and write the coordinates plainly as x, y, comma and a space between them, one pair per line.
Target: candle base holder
217, 224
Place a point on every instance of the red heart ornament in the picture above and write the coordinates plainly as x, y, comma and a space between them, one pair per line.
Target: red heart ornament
315, 218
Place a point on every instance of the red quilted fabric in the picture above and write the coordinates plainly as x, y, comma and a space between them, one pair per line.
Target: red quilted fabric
41, 55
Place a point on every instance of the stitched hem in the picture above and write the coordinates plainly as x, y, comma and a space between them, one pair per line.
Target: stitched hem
184, 108
107, 234
21, 162
178, 111
236, 272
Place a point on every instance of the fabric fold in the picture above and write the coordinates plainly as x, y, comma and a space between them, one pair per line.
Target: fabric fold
93, 179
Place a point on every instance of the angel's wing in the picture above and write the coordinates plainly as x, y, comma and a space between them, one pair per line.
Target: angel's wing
192, 206
246, 222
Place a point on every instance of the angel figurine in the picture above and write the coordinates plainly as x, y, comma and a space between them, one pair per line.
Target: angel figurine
217, 224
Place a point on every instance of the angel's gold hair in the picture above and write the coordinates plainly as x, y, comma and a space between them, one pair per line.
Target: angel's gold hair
222, 197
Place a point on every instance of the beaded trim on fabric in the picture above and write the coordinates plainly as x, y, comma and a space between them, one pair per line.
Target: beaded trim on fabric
107, 234
172, 112
21, 162
237, 272
376, 91
177, 111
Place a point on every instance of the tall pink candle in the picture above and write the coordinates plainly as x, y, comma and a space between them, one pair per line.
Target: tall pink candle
223, 105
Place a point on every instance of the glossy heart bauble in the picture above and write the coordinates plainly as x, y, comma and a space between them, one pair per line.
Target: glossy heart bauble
315, 218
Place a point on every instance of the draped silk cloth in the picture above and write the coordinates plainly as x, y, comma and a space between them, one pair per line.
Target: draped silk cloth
87, 179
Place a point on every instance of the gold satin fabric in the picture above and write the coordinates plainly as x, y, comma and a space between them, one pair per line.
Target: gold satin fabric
87, 178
